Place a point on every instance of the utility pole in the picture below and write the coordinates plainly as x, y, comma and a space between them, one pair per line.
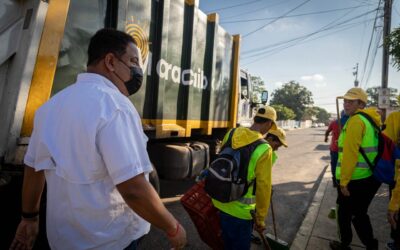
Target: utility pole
387, 19
355, 73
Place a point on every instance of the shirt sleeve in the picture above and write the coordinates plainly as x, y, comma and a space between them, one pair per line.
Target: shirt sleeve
263, 186
392, 131
330, 127
355, 131
122, 144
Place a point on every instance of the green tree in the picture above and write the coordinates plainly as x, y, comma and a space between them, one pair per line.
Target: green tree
283, 112
310, 113
373, 94
322, 115
294, 96
392, 42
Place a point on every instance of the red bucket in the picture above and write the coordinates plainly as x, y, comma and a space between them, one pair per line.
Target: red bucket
204, 215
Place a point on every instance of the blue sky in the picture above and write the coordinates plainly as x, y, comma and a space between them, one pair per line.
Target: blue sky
331, 38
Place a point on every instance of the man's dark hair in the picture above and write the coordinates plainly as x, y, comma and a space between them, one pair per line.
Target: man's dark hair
258, 119
107, 41
273, 137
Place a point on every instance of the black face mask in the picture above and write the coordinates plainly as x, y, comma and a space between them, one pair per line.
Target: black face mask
133, 85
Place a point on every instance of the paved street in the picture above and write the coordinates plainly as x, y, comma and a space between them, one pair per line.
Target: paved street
296, 177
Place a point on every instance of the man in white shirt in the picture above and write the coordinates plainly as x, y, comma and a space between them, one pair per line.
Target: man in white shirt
89, 146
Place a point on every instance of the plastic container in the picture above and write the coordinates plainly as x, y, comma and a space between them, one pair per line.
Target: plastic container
204, 215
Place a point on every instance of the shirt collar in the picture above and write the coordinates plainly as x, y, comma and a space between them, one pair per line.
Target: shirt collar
93, 77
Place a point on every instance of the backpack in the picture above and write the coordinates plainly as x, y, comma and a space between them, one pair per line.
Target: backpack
383, 166
226, 178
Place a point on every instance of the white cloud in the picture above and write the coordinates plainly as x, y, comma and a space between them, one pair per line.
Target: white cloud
317, 80
278, 84
283, 25
314, 78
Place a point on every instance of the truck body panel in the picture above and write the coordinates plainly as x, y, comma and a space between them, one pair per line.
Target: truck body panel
191, 89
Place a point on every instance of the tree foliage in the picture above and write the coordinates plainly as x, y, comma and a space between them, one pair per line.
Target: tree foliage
373, 94
392, 42
283, 112
317, 114
310, 113
294, 96
322, 115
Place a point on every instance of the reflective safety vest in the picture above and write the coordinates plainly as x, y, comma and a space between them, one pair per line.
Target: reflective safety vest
241, 208
369, 144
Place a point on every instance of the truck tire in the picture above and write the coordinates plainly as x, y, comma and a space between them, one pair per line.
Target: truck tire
154, 180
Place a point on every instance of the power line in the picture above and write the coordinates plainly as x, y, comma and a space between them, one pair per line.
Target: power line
370, 43
257, 9
258, 50
373, 60
276, 19
280, 44
232, 6
289, 16
362, 40
279, 49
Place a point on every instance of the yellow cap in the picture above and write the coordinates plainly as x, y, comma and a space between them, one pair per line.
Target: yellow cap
280, 133
268, 112
356, 94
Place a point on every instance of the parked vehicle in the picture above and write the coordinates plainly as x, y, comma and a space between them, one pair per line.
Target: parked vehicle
192, 94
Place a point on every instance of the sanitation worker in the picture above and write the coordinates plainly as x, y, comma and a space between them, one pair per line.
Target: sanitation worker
88, 145
276, 138
392, 130
236, 219
357, 186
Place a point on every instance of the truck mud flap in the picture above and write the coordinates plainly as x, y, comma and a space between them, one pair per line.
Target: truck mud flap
180, 160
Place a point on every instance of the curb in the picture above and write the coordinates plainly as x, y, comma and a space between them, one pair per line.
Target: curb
305, 231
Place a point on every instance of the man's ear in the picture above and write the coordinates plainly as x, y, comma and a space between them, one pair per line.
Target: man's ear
109, 62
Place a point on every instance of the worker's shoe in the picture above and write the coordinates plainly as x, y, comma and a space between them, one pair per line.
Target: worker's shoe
336, 245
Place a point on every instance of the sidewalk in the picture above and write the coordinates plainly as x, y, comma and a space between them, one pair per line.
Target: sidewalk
318, 229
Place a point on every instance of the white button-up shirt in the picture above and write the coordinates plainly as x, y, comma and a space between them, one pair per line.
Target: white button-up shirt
88, 138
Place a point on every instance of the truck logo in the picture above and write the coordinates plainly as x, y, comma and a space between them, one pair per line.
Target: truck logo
165, 70
135, 30
188, 77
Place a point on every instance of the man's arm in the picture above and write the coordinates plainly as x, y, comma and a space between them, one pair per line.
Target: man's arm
32, 190
328, 131
263, 187
143, 199
28, 228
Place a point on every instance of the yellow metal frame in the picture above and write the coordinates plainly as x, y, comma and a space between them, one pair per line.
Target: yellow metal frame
181, 127
235, 81
46, 61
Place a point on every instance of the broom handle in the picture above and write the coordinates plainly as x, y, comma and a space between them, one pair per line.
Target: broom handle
273, 217
265, 242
